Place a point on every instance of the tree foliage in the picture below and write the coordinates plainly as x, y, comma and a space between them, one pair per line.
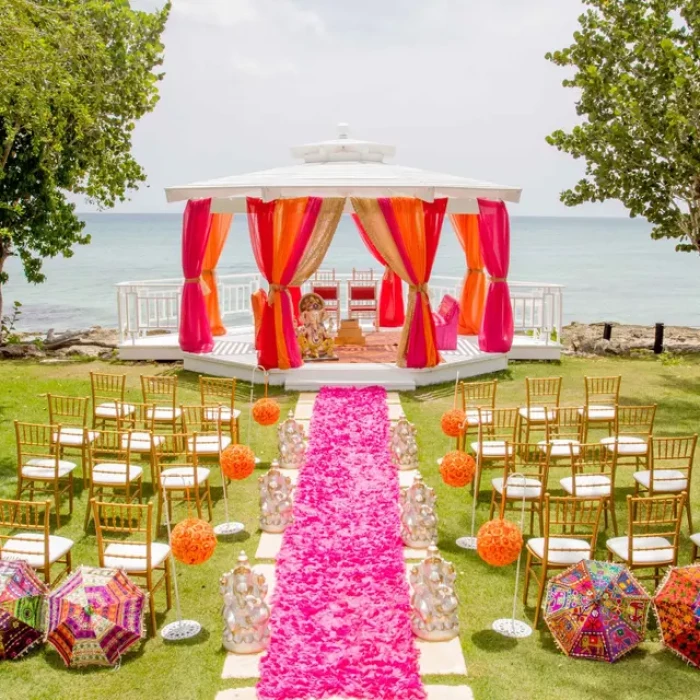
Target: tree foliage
636, 69
75, 76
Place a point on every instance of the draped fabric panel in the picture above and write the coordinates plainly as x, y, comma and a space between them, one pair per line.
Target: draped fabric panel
471, 306
391, 310
496, 334
406, 232
290, 238
218, 233
195, 332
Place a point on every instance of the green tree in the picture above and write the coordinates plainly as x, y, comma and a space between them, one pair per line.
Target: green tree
636, 70
75, 76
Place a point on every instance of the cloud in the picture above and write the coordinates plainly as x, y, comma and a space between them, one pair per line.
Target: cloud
260, 69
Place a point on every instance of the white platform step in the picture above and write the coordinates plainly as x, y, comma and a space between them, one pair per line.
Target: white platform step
398, 384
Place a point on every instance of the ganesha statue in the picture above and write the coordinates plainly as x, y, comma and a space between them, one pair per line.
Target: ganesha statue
275, 500
418, 517
313, 332
291, 443
434, 602
404, 449
246, 614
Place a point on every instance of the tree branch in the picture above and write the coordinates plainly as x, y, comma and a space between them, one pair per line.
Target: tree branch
8, 146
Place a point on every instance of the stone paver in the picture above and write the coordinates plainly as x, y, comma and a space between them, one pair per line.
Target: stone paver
269, 546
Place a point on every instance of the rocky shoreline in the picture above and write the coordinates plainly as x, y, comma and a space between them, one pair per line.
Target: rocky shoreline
584, 339
587, 339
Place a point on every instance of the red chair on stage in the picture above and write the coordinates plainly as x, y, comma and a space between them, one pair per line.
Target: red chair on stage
362, 296
446, 319
327, 287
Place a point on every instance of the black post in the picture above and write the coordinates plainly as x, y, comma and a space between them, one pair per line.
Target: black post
607, 331
659, 339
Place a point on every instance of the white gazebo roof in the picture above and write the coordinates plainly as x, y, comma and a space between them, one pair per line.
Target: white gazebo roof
343, 167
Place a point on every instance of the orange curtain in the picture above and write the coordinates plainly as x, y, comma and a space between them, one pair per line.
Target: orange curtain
471, 307
218, 233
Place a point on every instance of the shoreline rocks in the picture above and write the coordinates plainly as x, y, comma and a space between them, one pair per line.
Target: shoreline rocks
92, 343
587, 339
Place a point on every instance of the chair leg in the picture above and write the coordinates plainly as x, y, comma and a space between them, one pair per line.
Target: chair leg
690, 517
88, 514
57, 501
613, 516
540, 595
492, 507
528, 572
209, 504
168, 584
160, 495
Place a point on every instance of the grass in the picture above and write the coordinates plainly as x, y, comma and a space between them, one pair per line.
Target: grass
498, 668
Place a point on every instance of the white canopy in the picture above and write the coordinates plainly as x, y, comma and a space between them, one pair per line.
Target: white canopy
343, 167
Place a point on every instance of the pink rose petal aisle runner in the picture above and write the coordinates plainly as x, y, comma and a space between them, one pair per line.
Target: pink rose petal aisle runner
340, 614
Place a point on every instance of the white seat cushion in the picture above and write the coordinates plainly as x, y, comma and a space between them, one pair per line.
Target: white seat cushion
588, 485
536, 414
43, 468
182, 477
163, 413
645, 550
514, 489
142, 442
561, 447
665, 480
625, 445
73, 437
695, 539
114, 474
208, 444
109, 410
213, 414
599, 412
30, 546
472, 416
562, 550
132, 556
492, 448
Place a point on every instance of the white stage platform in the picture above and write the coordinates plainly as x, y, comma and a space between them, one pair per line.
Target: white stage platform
234, 356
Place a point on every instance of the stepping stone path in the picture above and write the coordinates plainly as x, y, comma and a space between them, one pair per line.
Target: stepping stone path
436, 658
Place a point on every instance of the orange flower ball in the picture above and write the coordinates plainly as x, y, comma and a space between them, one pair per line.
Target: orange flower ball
451, 422
499, 542
266, 411
457, 468
238, 462
193, 541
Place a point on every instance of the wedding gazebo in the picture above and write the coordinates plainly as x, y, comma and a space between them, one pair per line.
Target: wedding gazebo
292, 215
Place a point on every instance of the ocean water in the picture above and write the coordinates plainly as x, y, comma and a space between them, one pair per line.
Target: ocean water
611, 268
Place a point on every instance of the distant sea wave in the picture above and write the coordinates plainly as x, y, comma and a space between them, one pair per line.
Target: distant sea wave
611, 268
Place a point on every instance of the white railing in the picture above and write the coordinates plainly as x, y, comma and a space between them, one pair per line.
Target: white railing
537, 308
153, 306
149, 307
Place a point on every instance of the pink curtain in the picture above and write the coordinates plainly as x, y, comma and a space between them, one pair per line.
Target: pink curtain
391, 311
496, 334
195, 330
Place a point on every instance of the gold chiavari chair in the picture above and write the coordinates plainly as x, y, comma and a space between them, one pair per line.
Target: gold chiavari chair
476, 395
542, 395
111, 469
28, 538
495, 438
524, 478
602, 395
178, 473
161, 391
570, 534
562, 432
125, 541
138, 432
220, 392
107, 390
592, 476
632, 431
670, 469
203, 426
653, 526
39, 466
71, 413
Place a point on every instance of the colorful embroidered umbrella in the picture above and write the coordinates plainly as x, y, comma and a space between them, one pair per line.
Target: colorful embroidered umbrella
95, 616
22, 601
596, 610
677, 607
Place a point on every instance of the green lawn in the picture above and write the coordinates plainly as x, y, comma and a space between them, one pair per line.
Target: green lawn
498, 668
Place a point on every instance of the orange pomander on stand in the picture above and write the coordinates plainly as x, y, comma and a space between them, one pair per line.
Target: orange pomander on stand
499, 542
192, 542
457, 469
237, 463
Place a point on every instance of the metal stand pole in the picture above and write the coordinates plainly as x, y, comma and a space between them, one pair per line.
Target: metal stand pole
510, 627
469, 542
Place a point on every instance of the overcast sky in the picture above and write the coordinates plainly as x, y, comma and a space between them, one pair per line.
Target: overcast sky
458, 86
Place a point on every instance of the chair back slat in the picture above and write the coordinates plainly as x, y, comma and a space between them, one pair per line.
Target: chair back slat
672, 454
68, 410
107, 386
654, 516
478, 394
216, 391
602, 391
590, 460
159, 389
498, 423
635, 421
24, 515
37, 441
542, 391
563, 423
